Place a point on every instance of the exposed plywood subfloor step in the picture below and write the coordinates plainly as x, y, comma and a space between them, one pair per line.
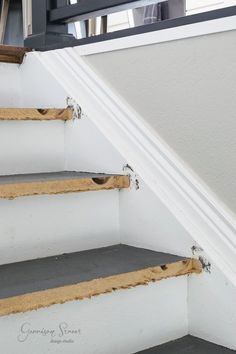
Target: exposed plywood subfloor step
43, 282
11, 54
188, 345
14, 186
36, 113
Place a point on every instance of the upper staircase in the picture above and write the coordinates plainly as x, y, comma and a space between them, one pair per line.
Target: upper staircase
63, 258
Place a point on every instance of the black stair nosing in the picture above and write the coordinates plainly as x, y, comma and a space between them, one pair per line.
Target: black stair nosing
50, 176
188, 345
73, 268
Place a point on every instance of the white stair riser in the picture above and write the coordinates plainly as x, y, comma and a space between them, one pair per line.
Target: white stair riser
10, 88
41, 226
122, 322
27, 146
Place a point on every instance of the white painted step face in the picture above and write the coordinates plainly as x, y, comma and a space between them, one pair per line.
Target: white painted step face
31, 147
121, 322
40, 226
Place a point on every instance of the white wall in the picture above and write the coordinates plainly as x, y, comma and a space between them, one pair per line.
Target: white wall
38, 87
212, 308
87, 149
145, 222
122, 322
185, 90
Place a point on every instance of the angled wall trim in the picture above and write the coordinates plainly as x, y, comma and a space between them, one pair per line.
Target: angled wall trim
206, 220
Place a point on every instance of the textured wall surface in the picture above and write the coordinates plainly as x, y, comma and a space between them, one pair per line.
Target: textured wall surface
186, 91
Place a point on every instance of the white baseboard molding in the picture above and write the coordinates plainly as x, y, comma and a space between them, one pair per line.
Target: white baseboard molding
206, 220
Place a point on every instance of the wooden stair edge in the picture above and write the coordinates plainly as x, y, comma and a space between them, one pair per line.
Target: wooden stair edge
82, 183
12, 54
36, 113
87, 289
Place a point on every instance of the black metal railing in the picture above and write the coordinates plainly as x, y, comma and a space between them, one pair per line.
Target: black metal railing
50, 20
90, 8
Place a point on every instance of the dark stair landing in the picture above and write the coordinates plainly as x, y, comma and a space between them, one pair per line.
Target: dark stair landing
188, 345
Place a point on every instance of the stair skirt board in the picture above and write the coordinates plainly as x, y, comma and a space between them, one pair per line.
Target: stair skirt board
12, 54
36, 113
14, 186
188, 345
34, 284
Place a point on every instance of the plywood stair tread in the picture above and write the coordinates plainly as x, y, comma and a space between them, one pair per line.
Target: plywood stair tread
36, 113
12, 54
188, 345
14, 186
43, 282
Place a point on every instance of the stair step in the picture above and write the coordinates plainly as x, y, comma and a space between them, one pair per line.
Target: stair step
188, 345
30, 285
14, 186
36, 113
12, 54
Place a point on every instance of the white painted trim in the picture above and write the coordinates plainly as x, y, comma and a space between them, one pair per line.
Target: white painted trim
165, 35
193, 206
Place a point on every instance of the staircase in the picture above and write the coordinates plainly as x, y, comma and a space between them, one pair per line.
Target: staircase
124, 298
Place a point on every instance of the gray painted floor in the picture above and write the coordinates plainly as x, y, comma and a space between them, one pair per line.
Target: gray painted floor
50, 176
188, 345
46, 273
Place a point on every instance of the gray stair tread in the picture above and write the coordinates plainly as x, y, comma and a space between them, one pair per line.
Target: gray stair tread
49, 176
188, 345
51, 272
